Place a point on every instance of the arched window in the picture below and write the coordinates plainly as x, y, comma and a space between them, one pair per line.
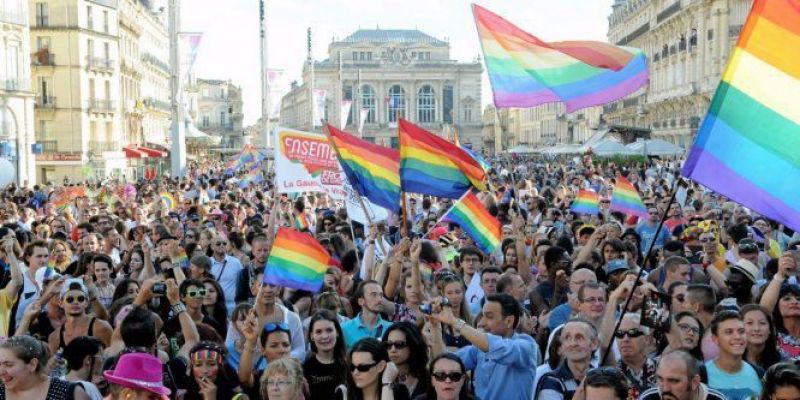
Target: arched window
426, 105
368, 102
397, 103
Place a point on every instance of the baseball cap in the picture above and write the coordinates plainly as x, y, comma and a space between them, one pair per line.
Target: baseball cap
74, 284
616, 265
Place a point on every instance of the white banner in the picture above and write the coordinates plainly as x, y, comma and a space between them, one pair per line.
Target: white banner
362, 117
320, 95
306, 162
187, 44
345, 112
275, 82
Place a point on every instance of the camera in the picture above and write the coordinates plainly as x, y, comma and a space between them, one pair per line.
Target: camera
427, 308
159, 288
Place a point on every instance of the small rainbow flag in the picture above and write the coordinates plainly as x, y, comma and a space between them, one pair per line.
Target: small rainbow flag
470, 214
746, 147
374, 171
525, 71
51, 267
300, 222
586, 202
433, 166
296, 261
167, 198
626, 199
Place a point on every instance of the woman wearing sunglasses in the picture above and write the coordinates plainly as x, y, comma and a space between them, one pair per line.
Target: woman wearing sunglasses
210, 377
326, 367
370, 372
448, 379
276, 343
408, 351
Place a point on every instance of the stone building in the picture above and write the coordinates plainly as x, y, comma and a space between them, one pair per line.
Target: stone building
219, 111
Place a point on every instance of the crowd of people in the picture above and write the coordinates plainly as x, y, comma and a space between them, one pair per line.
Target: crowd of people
135, 296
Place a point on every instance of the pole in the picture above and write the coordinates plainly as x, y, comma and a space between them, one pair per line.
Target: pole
266, 139
311, 97
641, 269
360, 103
178, 154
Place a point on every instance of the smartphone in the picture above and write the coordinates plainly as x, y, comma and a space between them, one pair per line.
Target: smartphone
655, 310
159, 288
796, 256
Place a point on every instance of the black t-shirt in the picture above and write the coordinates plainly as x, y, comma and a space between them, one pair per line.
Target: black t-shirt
322, 378
173, 326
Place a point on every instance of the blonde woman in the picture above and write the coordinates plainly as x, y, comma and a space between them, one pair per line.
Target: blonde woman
62, 253
283, 380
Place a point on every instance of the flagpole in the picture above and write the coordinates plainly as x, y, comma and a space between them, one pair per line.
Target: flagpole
438, 221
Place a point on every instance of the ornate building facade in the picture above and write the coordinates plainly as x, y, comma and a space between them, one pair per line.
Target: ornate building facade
391, 74
219, 111
688, 43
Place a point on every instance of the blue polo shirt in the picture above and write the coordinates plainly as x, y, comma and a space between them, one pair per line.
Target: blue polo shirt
513, 360
355, 330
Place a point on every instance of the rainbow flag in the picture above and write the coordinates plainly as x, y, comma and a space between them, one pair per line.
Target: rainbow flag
586, 202
297, 261
475, 156
374, 171
625, 199
470, 214
433, 166
747, 147
247, 159
525, 71
51, 267
167, 197
300, 223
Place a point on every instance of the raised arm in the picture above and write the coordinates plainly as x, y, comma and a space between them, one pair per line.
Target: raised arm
250, 333
771, 294
188, 327
12, 288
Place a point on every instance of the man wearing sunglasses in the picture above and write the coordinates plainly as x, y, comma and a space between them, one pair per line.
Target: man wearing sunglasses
192, 292
225, 269
633, 340
75, 301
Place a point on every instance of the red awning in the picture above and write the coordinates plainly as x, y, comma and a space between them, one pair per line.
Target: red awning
132, 152
153, 152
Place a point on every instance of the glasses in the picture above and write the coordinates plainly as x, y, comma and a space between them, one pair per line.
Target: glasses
190, 236
471, 259
278, 384
399, 345
443, 376
686, 328
706, 240
79, 299
194, 294
272, 327
631, 333
362, 367
748, 248
221, 243
593, 300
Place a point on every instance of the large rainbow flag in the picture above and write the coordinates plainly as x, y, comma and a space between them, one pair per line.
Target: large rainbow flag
374, 171
470, 214
625, 199
526, 71
296, 261
586, 202
431, 165
747, 146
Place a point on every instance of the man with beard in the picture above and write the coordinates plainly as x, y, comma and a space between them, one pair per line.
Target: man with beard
740, 279
74, 301
728, 373
678, 378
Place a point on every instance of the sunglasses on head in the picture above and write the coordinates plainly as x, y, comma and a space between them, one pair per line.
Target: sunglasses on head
362, 367
272, 327
443, 376
631, 333
78, 299
748, 248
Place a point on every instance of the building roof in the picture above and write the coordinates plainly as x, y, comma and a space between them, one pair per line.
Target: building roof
392, 35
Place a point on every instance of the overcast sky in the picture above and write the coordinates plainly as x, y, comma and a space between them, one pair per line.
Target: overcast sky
230, 45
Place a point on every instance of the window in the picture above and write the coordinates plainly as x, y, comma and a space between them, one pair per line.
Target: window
89, 18
426, 105
467, 113
222, 119
447, 104
91, 90
105, 21
355, 56
42, 14
90, 49
369, 56
368, 102
205, 121
396, 103
106, 51
43, 43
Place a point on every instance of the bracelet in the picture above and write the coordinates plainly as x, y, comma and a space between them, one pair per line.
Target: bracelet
460, 324
178, 308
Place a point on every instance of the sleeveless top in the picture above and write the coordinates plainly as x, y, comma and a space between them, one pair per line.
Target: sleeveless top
59, 390
61, 343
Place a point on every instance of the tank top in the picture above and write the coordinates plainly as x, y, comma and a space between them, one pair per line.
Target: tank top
61, 343
59, 390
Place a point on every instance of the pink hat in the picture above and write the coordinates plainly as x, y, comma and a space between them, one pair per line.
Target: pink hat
138, 371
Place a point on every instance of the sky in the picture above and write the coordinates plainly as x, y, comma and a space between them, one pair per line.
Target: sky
230, 45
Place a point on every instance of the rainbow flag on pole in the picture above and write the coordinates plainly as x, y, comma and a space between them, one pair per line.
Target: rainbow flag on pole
525, 71
431, 165
626, 200
470, 214
374, 171
747, 147
586, 202
297, 261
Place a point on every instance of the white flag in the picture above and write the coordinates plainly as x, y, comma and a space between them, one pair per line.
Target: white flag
345, 112
276, 84
362, 117
320, 95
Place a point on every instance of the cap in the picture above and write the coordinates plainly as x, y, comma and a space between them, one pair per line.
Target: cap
74, 284
586, 230
615, 266
747, 245
747, 268
163, 238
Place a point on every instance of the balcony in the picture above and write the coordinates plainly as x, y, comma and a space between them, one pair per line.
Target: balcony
101, 106
45, 102
51, 151
99, 64
671, 10
12, 16
43, 58
150, 102
48, 146
14, 85
98, 146
155, 61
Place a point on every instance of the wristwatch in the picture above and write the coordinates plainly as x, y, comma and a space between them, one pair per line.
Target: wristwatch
460, 324
178, 308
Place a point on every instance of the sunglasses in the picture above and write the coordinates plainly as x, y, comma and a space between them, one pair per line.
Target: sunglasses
79, 299
221, 243
748, 248
443, 376
362, 367
399, 345
272, 327
194, 294
631, 333
706, 240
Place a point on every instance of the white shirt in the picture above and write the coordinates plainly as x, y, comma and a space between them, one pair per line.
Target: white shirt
227, 274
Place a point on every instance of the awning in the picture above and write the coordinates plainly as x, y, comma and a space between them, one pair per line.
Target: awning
133, 152
153, 152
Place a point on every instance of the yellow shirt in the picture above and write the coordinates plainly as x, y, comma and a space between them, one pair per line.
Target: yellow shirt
5, 312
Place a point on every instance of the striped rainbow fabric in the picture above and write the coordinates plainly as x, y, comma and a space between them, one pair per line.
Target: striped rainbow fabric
747, 146
471, 215
586, 202
526, 71
297, 261
625, 199
374, 171
433, 166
